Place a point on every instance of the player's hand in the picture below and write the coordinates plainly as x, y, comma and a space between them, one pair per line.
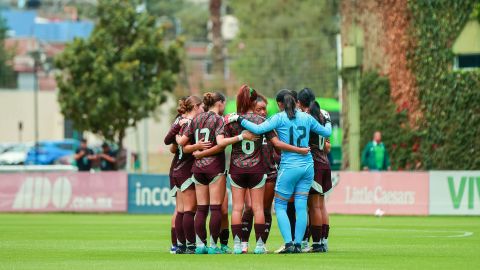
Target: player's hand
247, 135
304, 151
197, 154
202, 144
229, 118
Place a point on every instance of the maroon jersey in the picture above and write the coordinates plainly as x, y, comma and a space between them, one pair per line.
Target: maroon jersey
247, 156
183, 167
270, 155
170, 138
317, 147
207, 126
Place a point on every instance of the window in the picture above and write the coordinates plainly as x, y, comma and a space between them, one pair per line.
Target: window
466, 61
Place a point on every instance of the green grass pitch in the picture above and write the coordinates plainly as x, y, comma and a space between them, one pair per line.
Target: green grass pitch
91, 241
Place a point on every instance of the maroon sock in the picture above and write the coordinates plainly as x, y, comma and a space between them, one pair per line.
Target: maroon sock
316, 233
224, 234
179, 228
200, 223
247, 222
306, 236
291, 216
325, 230
189, 227
215, 221
268, 224
260, 232
237, 231
173, 235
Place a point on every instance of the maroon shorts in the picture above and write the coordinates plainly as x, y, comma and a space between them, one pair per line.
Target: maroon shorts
184, 183
272, 176
322, 181
248, 180
206, 178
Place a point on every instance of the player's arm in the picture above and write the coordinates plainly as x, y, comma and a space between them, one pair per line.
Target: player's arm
79, 155
289, 148
108, 157
327, 146
208, 152
170, 137
201, 145
173, 148
262, 128
324, 131
224, 142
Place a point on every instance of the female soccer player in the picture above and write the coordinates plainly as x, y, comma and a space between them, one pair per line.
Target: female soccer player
296, 170
170, 140
208, 171
182, 178
320, 146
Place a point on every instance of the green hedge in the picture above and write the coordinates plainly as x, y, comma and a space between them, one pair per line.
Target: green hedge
379, 112
450, 100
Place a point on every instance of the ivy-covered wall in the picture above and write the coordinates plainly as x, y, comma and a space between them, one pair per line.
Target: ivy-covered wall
446, 133
449, 100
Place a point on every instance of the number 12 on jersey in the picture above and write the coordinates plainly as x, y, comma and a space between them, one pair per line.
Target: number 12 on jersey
303, 133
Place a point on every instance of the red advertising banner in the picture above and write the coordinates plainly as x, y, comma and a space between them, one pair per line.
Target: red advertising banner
63, 192
389, 193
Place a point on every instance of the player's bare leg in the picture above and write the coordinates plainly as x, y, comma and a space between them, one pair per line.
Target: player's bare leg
217, 191
173, 234
203, 198
267, 207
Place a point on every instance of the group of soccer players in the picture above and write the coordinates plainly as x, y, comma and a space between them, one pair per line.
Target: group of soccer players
297, 179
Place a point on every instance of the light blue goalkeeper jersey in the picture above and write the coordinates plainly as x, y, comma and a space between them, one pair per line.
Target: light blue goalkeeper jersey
294, 132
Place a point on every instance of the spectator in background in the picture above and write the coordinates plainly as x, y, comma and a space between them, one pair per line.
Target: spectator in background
84, 156
374, 155
107, 158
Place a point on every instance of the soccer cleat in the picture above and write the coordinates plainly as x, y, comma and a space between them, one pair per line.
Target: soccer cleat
297, 248
180, 249
288, 249
215, 250
173, 249
325, 244
260, 249
244, 247
317, 248
226, 249
279, 249
201, 250
190, 249
305, 247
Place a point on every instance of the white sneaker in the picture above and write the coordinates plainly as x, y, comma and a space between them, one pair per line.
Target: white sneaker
282, 247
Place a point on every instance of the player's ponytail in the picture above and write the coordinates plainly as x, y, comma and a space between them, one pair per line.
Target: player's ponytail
209, 99
314, 109
246, 98
290, 106
181, 105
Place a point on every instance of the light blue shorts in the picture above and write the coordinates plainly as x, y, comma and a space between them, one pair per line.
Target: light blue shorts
295, 180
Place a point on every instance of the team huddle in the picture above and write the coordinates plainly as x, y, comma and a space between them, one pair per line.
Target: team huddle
282, 159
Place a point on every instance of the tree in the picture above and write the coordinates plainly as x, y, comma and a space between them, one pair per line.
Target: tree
286, 44
218, 62
118, 76
7, 75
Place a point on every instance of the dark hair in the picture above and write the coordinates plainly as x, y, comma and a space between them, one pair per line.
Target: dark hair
305, 97
187, 105
281, 95
180, 109
290, 106
261, 98
246, 98
83, 140
105, 145
209, 99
